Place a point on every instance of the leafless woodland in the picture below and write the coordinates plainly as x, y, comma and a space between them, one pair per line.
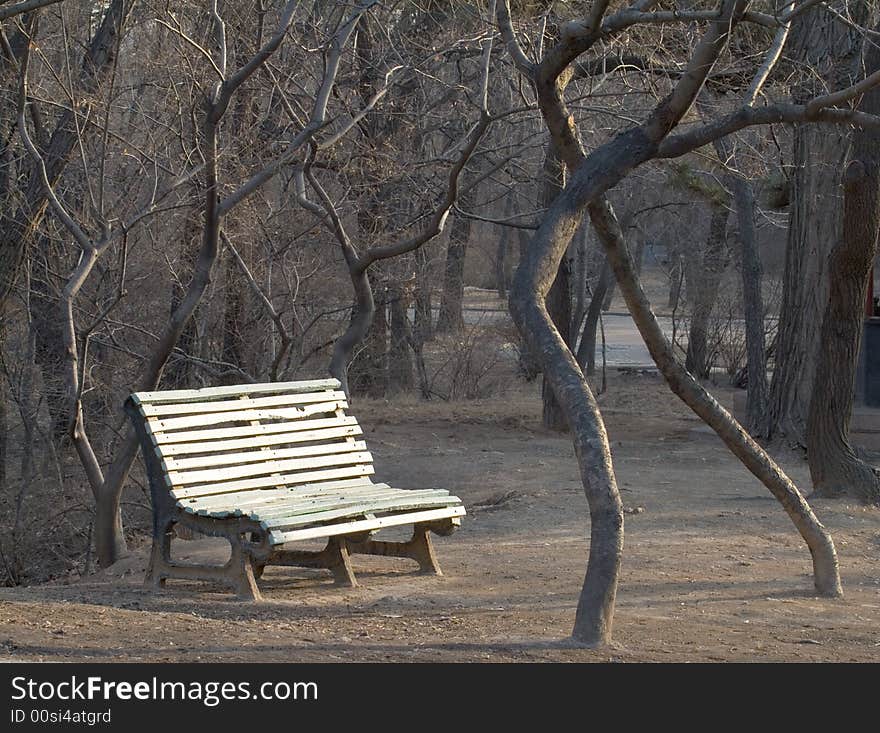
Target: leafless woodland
432, 200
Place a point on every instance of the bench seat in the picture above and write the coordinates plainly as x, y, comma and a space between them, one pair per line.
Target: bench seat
267, 465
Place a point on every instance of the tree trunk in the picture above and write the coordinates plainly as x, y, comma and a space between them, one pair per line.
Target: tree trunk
502, 252
528, 363
821, 43
676, 281
4, 431
834, 466
593, 621
368, 373
423, 323
451, 319
826, 573
400, 371
558, 302
753, 305
713, 262
362, 314
179, 372
586, 354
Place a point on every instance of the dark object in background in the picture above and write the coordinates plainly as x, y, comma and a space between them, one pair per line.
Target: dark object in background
867, 390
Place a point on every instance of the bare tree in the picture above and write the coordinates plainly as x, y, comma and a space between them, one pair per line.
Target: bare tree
593, 174
218, 204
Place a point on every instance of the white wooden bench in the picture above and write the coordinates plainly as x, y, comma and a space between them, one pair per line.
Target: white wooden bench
265, 466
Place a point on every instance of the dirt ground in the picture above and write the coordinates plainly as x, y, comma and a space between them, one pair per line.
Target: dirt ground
712, 570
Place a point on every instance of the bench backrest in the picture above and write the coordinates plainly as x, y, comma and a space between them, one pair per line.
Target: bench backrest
226, 441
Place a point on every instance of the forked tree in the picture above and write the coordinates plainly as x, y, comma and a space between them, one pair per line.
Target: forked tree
664, 132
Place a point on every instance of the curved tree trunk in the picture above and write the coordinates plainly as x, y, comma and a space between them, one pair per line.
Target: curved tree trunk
595, 611
558, 299
834, 466
368, 371
826, 574
359, 326
536, 272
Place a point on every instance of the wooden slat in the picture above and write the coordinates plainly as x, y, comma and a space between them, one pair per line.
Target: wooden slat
242, 431
364, 525
210, 393
388, 505
253, 497
263, 441
220, 475
296, 498
294, 504
360, 499
244, 415
200, 408
289, 479
262, 455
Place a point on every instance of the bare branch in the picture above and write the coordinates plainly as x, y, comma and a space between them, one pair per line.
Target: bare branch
82, 239
219, 37
24, 7
195, 44
261, 56
505, 25
668, 113
316, 121
438, 220
770, 59
685, 142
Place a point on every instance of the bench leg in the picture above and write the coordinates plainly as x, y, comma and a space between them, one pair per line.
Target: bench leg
340, 559
423, 551
419, 548
160, 558
238, 572
241, 568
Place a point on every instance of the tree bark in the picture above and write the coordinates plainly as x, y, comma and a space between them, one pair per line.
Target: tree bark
368, 374
539, 262
835, 468
234, 349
